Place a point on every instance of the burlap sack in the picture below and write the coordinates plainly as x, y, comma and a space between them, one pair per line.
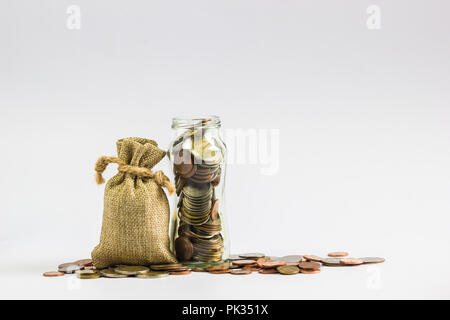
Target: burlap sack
135, 227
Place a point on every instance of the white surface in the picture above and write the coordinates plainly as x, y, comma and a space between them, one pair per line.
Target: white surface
363, 118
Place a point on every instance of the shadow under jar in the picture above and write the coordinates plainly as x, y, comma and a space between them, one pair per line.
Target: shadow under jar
198, 157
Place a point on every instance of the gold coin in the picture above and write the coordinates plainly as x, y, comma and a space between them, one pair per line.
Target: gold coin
94, 275
288, 270
111, 273
131, 270
152, 275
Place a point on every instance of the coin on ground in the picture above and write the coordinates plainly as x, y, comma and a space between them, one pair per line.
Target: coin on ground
131, 270
244, 262
53, 274
311, 257
292, 258
288, 270
152, 275
84, 262
179, 273
165, 266
331, 262
268, 271
273, 264
69, 268
373, 259
89, 275
252, 255
338, 254
63, 265
351, 261
240, 271
260, 261
309, 271
111, 273
218, 267
309, 265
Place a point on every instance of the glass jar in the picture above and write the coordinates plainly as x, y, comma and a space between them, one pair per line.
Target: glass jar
198, 157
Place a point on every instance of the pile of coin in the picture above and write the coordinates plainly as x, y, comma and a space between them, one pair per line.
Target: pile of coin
197, 168
240, 264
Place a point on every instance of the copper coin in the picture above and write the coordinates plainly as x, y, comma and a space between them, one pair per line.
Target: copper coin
179, 273
309, 271
184, 162
84, 262
268, 271
184, 248
240, 271
373, 260
338, 254
65, 265
251, 268
309, 265
311, 257
244, 262
273, 264
215, 209
53, 274
220, 271
260, 261
351, 261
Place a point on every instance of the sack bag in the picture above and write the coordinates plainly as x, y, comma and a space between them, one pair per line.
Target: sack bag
135, 226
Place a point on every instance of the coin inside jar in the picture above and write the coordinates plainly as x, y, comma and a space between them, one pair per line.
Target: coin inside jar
184, 248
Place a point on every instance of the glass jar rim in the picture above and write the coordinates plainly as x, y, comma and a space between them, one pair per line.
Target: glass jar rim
196, 122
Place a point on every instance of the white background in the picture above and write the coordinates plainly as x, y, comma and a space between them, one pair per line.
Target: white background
363, 117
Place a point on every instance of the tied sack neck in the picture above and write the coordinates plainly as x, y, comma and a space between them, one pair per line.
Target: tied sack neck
136, 156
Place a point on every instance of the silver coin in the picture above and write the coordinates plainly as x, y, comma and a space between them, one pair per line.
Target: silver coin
71, 268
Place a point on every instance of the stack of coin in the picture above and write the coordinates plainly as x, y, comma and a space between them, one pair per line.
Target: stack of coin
197, 168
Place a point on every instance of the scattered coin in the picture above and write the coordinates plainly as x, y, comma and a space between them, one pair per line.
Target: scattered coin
268, 271
338, 254
351, 261
240, 272
220, 271
260, 261
198, 269
331, 262
233, 257
152, 275
252, 255
244, 262
179, 273
89, 275
273, 264
311, 257
84, 262
111, 273
309, 265
218, 267
373, 260
165, 267
288, 270
69, 268
53, 274
309, 271
292, 258
63, 265
251, 268
131, 270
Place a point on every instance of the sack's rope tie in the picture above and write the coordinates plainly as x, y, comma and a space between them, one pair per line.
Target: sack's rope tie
159, 176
